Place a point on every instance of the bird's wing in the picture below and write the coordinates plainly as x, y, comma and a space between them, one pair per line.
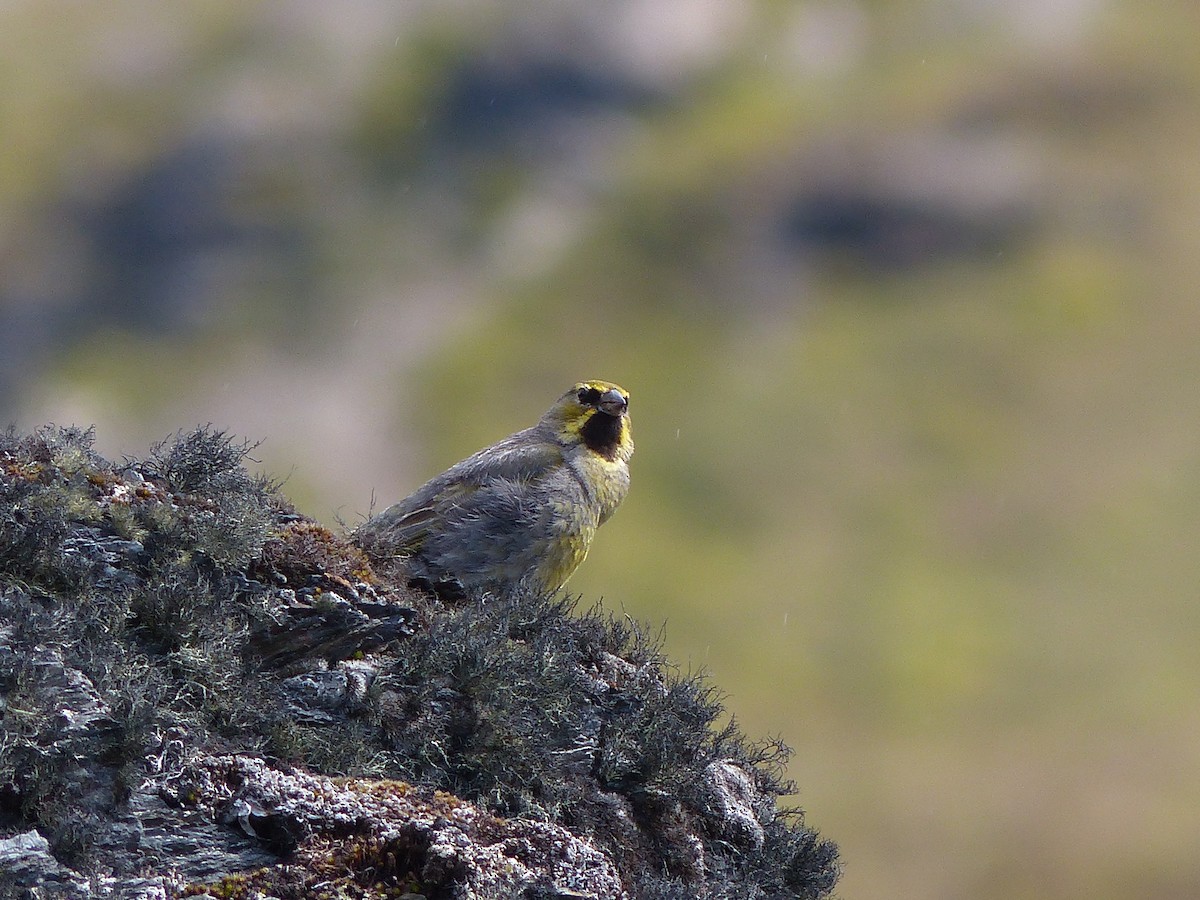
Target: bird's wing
404, 525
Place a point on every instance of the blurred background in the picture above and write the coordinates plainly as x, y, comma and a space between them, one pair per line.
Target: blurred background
905, 295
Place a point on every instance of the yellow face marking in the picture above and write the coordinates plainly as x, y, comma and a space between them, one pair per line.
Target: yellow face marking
595, 411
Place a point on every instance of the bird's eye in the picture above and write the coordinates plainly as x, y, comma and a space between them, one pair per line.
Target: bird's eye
589, 396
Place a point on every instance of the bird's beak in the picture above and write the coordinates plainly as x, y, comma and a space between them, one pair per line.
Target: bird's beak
613, 403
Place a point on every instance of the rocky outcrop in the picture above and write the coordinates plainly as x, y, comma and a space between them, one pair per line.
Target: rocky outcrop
206, 694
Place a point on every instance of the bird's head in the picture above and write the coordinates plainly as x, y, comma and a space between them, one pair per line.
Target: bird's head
596, 413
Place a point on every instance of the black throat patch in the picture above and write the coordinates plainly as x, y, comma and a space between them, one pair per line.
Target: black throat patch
602, 434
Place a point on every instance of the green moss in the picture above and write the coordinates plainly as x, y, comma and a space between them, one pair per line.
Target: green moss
124, 522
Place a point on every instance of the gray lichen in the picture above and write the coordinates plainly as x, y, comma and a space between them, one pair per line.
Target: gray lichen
205, 693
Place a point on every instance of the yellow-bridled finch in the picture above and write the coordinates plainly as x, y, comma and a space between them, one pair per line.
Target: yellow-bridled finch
522, 512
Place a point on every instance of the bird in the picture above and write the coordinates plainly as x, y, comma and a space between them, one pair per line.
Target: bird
521, 513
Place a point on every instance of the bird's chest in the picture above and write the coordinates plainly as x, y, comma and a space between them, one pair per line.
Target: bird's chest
605, 483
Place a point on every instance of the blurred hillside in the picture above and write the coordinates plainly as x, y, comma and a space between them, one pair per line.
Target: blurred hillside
904, 294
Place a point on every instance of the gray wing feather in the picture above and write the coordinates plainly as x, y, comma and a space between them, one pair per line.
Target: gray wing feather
524, 456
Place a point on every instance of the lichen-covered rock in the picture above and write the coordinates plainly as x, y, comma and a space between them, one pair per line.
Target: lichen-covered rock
734, 798
203, 692
26, 863
443, 844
